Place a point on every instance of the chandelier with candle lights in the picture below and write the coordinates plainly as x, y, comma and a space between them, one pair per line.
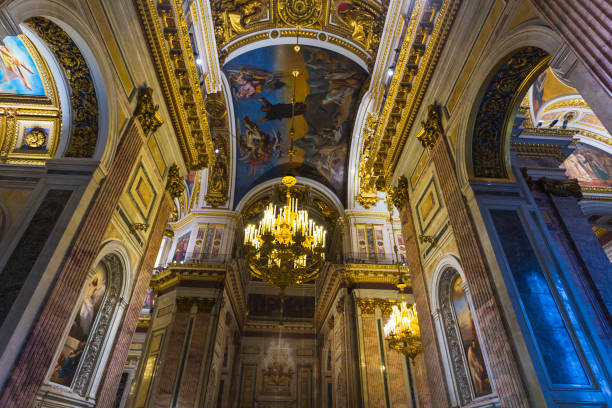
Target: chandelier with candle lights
286, 247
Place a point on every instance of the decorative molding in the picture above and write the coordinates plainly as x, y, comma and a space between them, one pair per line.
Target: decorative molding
84, 100
177, 273
494, 113
399, 194
559, 187
146, 112
432, 127
91, 354
356, 273
184, 304
166, 30
175, 185
368, 306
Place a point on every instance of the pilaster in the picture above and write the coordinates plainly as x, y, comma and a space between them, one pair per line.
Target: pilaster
38, 351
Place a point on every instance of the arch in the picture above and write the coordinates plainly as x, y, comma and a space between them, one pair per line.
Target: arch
530, 34
112, 263
67, 19
446, 274
324, 190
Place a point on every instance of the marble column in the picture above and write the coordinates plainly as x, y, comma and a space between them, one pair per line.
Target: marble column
118, 356
495, 337
177, 381
429, 374
39, 349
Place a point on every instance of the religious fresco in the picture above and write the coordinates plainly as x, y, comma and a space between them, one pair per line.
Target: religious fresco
469, 339
326, 92
18, 73
592, 167
181, 248
71, 353
547, 87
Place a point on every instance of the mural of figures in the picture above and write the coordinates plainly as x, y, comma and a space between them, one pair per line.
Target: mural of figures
326, 92
181, 248
592, 167
18, 73
71, 353
469, 339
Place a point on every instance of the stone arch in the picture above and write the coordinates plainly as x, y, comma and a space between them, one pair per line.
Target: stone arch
532, 35
446, 273
63, 17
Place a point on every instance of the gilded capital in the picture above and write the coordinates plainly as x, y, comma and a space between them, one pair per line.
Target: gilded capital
184, 304
146, 112
175, 184
367, 306
432, 127
399, 193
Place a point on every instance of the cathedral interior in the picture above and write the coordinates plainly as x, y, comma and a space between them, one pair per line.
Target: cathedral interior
305, 203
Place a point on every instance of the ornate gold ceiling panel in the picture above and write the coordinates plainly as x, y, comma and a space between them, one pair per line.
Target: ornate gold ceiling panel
166, 31
426, 34
353, 24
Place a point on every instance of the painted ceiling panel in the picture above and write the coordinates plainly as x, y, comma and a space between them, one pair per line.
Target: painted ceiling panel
326, 93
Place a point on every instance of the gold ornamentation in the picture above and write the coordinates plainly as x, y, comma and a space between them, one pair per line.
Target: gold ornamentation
492, 119
367, 197
362, 19
184, 304
168, 35
329, 213
138, 227
560, 187
367, 306
287, 248
146, 112
35, 138
433, 241
214, 106
399, 194
175, 185
300, 13
256, 208
432, 127
236, 17
84, 101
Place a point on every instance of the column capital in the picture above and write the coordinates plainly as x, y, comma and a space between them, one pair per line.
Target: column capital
432, 127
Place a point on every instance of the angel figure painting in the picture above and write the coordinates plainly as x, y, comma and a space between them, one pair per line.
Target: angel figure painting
294, 111
18, 73
70, 356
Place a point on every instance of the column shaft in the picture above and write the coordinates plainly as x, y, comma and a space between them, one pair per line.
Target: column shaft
39, 349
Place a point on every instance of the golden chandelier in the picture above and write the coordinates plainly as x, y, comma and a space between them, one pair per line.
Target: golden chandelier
287, 247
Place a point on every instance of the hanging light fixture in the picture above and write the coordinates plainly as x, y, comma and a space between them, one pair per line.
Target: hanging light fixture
287, 247
402, 329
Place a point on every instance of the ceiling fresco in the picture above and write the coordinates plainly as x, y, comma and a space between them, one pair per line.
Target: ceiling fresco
326, 92
18, 73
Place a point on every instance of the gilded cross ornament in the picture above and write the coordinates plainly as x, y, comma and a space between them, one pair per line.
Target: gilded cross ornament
146, 112
432, 127
175, 185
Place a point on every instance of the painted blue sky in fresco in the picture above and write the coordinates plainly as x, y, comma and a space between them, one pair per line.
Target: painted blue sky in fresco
326, 92
18, 73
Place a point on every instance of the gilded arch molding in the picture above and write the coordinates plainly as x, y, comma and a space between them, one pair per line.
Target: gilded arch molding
498, 106
83, 99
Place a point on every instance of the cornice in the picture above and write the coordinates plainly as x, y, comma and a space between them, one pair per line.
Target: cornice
166, 31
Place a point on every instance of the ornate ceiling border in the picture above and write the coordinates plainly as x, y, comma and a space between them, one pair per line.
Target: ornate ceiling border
426, 35
166, 31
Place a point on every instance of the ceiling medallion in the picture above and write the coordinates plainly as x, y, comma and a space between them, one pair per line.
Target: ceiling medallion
287, 247
300, 13
35, 138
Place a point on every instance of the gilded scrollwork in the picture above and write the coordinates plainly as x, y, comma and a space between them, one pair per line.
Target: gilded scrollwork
300, 13
432, 127
146, 112
83, 99
501, 93
362, 19
235, 17
399, 194
175, 185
